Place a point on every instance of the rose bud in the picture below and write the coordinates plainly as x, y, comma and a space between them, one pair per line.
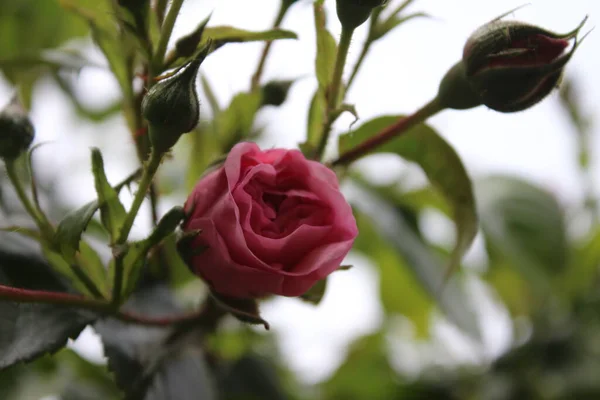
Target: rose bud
511, 65
16, 130
353, 13
270, 222
171, 107
274, 93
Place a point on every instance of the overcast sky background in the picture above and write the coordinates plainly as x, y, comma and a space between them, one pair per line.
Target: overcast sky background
401, 74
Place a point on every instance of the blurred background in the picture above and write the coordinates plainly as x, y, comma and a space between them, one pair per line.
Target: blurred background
530, 279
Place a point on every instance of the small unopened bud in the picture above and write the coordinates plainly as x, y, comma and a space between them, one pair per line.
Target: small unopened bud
171, 107
353, 13
16, 130
274, 93
512, 65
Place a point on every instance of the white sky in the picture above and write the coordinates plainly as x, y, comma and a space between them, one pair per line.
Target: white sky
401, 74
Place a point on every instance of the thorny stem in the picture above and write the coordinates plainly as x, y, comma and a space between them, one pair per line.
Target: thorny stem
365, 49
389, 133
145, 182
206, 316
333, 92
285, 5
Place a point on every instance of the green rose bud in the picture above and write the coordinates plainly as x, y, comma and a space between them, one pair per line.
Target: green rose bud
274, 93
353, 13
16, 130
171, 107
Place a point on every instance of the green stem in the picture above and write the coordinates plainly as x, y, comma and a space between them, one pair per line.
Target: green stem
39, 219
165, 36
333, 92
149, 170
161, 7
145, 182
389, 133
285, 5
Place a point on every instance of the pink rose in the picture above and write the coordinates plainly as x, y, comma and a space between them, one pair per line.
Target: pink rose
273, 223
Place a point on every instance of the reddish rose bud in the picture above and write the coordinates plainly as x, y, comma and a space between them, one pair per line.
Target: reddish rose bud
511, 65
16, 130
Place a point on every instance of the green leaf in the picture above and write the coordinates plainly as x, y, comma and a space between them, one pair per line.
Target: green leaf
64, 268
27, 27
394, 21
326, 48
235, 123
112, 212
252, 377
422, 261
69, 230
203, 148
443, 167
316, 118
29, 330
229, 34
580, 275
365, 374
525, 225
315, 294
400, 290
512, 288
93, 267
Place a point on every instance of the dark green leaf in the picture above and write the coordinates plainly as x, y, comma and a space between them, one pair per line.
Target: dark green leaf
315, 294
65, 373
29, 330
251, 377
443, 167
146, 364
112, 212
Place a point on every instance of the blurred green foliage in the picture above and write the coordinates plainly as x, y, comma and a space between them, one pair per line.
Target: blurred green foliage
545, 276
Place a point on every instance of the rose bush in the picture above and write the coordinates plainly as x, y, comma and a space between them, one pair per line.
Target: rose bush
272, 222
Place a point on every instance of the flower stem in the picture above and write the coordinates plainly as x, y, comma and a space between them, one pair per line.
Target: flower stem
39, 219
145, 182
389, 133
333, 92
285, 5
207, 316
150, 169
